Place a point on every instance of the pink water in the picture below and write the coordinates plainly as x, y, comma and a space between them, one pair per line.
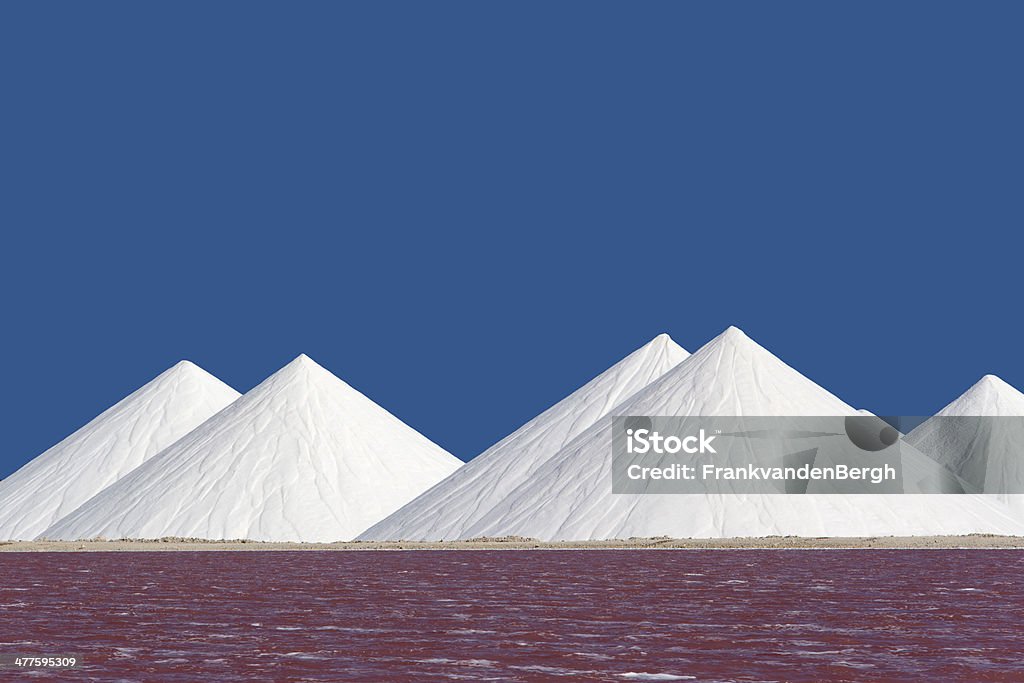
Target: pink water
801, 615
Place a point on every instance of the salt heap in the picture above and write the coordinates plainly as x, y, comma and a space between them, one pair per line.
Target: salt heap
448, 508
988, 454
570, 496
109, 447
301, 457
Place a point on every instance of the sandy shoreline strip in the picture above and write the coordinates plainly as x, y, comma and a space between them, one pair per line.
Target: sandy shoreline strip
979, 541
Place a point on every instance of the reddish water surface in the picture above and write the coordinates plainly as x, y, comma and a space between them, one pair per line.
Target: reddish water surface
520, 616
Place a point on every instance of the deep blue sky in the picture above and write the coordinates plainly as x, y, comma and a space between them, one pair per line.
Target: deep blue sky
466, 210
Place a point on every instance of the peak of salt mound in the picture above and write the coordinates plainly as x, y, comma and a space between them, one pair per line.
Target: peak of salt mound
735, 335
733, 375
448, 508
108, 448
303, 361
301, 457
302, 368
990, 397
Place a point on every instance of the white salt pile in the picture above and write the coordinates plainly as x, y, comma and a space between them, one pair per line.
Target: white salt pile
569, 497
988, 454
447, 510
301, 457
112, 445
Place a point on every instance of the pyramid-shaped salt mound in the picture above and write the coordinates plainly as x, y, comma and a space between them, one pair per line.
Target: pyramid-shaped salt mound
987, 453
570, 496
451, 506
112, 445
301, 457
